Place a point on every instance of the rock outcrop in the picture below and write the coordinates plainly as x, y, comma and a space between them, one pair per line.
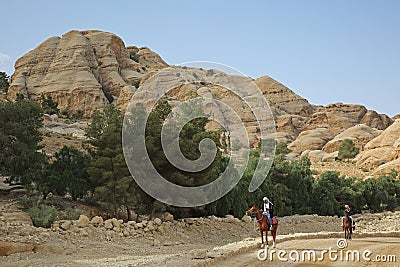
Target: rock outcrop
283, 98
82, 71
311, 140
382, 149
360, 134
86, 70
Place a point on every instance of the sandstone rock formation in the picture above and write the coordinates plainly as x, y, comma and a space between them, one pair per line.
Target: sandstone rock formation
381, 150
284, 98
82, 70
311, 140
87, 70
360, 134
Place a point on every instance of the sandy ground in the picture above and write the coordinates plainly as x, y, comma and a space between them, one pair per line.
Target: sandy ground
173, 246
381, 248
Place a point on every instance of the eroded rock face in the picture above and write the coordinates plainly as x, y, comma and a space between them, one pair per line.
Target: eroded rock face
87, 70
311, 140
284, 98
82, 70
382, 149
360, 134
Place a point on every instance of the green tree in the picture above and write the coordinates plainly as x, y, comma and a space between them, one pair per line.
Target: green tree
107, 168
192, 133
325, 193
20, 155
69, 173
4, 78
282, 149
347, 150
49, 106
382, 193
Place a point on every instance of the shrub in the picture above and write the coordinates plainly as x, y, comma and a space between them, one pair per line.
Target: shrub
78, 115
4, 84
134, 56
347, 150
43, 215
65, 113
210, 72
49, 106
71, 214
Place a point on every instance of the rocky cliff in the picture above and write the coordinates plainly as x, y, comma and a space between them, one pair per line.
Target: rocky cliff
83, 70
87, 70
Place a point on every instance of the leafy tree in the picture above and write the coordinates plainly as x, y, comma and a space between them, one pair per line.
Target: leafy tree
282, 149
347, 150
381, 193
190, 136
325, 191
49, 106
4, 78
300, 183
107, 168
69, 173
20, 156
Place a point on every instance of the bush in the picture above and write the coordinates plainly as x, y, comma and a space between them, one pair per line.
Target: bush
71, 214
43, 215
347, 150
4, 78
28, 201
65, 113
49, 106
77, 115
134, 56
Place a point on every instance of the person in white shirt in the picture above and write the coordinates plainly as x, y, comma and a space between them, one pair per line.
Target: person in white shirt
268, 210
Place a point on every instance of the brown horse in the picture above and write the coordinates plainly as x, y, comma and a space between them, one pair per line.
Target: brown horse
347, 225
263, 224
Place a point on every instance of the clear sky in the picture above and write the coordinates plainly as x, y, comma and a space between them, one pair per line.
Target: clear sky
326, 51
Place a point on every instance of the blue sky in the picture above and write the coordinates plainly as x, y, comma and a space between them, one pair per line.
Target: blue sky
326, 51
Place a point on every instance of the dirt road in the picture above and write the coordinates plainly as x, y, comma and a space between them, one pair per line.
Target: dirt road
373, 251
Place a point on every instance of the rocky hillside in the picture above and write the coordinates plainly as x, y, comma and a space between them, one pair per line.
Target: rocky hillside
87, 70
83, 70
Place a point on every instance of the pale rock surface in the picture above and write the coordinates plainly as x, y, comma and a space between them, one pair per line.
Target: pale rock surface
283, 98
97, 221
311, 140
198, 253
316, 155
83, 221
382, 150
82, 70
360, 134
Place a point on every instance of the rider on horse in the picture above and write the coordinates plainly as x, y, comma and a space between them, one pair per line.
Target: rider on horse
347, 210
268, 209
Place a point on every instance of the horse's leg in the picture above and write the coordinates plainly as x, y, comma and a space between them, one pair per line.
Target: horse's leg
262, 237
266, 236
273, 232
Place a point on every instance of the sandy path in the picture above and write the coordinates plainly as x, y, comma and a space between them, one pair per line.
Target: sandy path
378, 246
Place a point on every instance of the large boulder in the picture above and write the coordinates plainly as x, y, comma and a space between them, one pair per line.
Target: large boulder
360, 134
8, 248
382, 149
343, 116
83, 221
311, 140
